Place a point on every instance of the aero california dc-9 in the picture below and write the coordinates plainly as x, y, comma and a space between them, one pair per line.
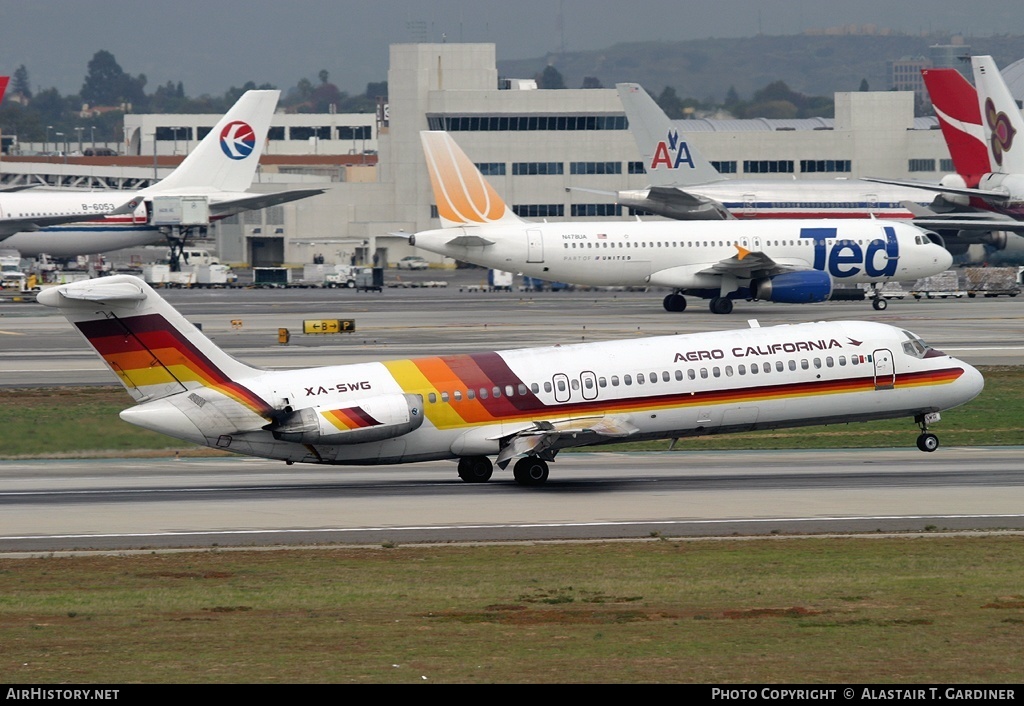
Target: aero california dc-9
519, 407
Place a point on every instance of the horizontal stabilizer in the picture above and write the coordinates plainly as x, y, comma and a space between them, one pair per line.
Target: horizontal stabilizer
599, 192
255, 202
100, 292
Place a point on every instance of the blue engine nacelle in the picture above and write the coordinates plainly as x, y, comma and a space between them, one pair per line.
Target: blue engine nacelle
794, 287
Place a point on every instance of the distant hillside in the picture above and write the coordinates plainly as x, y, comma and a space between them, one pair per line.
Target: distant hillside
810, 64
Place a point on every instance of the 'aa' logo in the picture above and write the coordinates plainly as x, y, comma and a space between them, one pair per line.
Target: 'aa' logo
671, 153
237, 140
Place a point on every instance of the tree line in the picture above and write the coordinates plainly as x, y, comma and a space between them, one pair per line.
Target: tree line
108, 92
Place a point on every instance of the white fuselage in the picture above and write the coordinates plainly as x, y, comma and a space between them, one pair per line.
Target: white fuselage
664, 387
95, 233
679, 254
810, 198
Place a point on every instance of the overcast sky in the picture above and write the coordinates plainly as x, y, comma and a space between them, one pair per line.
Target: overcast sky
212, 45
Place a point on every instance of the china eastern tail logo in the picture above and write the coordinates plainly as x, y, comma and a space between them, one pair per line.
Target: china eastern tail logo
238, 140
671, 152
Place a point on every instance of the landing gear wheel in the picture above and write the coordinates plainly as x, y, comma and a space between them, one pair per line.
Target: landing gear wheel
880, 304
475, 469
530, 471
675, 303
721, 305
928, 442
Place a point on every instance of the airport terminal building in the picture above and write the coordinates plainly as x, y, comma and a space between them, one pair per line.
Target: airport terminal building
533, 145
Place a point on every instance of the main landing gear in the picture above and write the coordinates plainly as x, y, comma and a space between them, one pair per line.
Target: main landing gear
527, 471
475, 469
721, 305
676, 303
926, 441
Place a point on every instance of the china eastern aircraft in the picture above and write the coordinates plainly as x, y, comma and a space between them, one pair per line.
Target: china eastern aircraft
519, 405
686, 186
983, 129
793, 261
221, 168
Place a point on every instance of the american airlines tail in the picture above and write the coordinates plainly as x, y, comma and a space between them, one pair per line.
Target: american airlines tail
1000, 118
668, 158
462, 194
156, 353
956, 106
226, 159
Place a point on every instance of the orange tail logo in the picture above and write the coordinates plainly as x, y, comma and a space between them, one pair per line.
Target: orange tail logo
463, 195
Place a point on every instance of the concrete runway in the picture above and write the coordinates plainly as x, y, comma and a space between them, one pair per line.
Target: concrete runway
146, 503
55, 505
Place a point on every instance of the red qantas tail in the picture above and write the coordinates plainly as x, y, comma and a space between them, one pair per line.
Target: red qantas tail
3, 86
956, 105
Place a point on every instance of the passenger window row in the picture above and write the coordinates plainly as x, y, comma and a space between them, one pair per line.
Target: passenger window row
563, 383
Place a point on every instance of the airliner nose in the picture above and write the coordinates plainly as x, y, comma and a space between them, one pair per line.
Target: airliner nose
943, 258
971, 383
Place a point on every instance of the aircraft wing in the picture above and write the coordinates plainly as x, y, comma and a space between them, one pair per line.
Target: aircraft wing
961, 220
745, 264
543, 436
994, 196
969, 221
10, 226
255, 202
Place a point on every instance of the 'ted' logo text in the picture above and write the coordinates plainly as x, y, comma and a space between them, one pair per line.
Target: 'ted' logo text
845, 258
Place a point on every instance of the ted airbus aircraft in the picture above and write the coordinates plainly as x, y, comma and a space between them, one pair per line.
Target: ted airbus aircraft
221, 168
793, 261
519, 405
686, 186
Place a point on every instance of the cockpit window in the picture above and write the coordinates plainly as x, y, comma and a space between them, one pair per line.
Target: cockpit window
916, 347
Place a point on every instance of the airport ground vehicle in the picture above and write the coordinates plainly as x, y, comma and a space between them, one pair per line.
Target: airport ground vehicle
412, 262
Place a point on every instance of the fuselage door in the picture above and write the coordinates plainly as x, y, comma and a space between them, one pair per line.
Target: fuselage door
749, 205
885, 370
560, 382
588, 385
872, 203
534, 246
140, 215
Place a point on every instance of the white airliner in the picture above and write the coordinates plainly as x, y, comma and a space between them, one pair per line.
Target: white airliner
221, 168
984, 130
521, 404
684, 185
793, 261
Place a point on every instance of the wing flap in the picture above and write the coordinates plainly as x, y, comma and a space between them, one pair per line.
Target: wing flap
577, 431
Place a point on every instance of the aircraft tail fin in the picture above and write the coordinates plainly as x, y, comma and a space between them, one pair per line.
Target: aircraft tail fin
956, 106
154, 351
1000, 116
462, 194
670, 160
4, 80
226, 159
